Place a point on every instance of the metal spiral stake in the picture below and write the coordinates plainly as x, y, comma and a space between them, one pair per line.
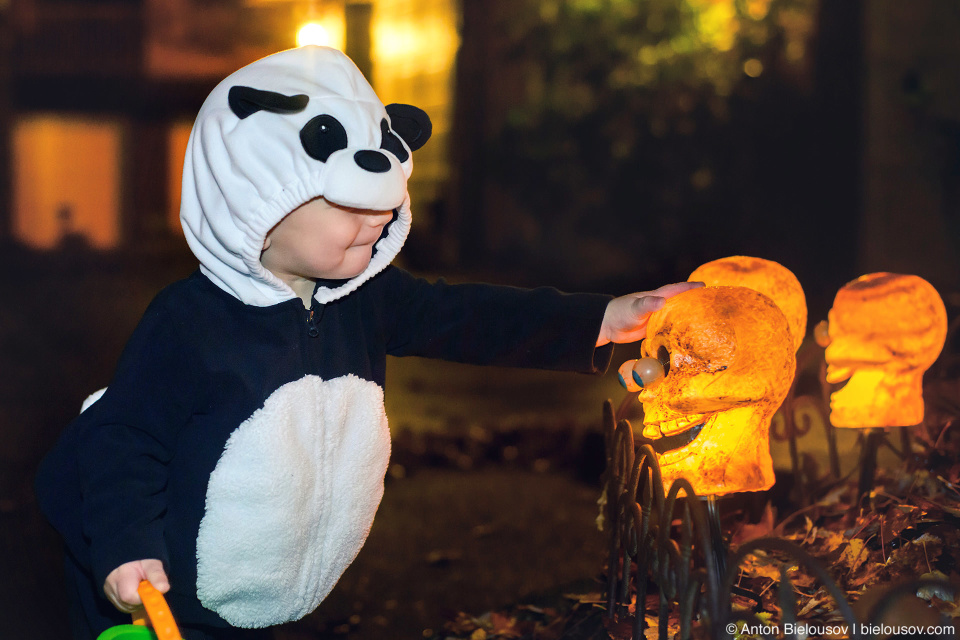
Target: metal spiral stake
831, 431
640, 518
720, 551
868, 462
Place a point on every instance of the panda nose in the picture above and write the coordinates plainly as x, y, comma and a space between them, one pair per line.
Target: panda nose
372, 161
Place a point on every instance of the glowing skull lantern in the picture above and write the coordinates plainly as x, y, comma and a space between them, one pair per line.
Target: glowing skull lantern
884, 331
729, 362
770, 278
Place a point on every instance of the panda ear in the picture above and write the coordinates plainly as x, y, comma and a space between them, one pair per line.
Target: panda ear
410, 123
245, 101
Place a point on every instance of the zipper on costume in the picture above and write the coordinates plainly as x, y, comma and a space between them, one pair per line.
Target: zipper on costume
312, 329
311, 347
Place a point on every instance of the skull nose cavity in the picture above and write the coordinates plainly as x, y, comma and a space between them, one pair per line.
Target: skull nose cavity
372, 161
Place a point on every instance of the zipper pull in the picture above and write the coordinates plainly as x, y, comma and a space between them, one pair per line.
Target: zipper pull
312, 329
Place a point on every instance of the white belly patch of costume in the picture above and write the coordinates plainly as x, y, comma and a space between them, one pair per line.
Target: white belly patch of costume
291, 500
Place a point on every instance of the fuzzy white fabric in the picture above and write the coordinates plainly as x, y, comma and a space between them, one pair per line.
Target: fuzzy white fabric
90, 399
291, 500
242, 176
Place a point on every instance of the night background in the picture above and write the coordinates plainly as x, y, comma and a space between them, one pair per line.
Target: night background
592, 145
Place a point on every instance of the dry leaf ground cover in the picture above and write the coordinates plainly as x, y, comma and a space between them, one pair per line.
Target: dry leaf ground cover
907, 527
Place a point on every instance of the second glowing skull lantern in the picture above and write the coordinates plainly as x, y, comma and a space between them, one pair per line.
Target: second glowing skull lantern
884, 331
770, 278
729, 362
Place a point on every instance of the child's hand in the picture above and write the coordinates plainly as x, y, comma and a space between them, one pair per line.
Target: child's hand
121, 585
625, 319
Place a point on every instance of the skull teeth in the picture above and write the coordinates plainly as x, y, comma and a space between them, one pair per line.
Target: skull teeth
836, 373
651, 432
671, 427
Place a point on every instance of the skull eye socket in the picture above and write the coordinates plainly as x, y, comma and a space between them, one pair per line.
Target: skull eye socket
664, 357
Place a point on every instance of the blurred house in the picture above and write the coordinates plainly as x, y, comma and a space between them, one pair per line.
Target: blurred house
97, 98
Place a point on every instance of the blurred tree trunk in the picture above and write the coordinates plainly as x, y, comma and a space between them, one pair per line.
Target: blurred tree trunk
6, 124
465, 225
838, 94
358, 16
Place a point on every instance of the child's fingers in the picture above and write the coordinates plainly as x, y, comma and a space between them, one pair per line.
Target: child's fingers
121, 585
669, 290
647, 304
153, 572
122, 589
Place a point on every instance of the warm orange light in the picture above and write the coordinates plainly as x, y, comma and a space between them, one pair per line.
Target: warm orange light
313, 33
178, 135
884, 331
325, 29
730, 363
58, 198
770, 278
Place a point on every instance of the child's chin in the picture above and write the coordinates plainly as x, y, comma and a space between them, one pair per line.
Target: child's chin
347, 272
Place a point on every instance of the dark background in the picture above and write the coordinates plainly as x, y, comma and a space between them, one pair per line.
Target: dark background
595, 145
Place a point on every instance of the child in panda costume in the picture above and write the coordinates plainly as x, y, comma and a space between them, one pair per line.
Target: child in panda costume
241, 447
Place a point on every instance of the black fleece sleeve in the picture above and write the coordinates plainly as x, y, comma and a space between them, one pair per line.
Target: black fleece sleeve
485, 324
126, 441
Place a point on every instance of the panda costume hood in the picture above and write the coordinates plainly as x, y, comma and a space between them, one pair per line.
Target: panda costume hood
279, 132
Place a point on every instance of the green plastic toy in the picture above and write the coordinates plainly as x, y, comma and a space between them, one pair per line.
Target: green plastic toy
160, 618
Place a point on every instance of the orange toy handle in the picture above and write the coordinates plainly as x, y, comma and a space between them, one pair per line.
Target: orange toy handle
158, 612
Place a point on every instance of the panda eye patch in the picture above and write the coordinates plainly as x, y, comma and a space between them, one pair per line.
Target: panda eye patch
391, 142
323, 135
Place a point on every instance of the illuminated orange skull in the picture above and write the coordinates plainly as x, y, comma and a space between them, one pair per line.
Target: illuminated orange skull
729, 361
884, 331
770, 278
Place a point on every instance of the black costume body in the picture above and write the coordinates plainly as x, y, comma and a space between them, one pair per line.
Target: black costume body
128, 480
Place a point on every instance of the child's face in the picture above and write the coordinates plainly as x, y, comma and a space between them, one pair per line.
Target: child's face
320, 240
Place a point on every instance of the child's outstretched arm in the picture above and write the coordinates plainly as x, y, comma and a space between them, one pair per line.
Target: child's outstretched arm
121, 584
625, 319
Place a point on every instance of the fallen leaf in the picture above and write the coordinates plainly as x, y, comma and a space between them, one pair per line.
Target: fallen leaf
892, 523
853, 555
462, 624
762, 529
504, 626
620, 628
832, 541
586, 598
918, 554
809, 532
834, 497
760, 566
808, 607
803, 580
935, 591
868, 576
